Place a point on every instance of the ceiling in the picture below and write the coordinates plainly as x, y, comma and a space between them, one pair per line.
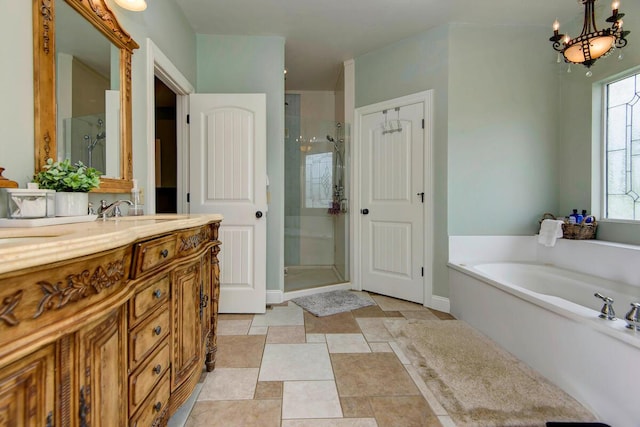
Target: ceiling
321, 34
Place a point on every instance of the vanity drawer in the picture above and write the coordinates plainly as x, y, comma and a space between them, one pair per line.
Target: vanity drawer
153, 254
154, 406
144, 379
144, 337
145, 300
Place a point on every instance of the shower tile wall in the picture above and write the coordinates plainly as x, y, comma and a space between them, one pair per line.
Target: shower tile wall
292, 180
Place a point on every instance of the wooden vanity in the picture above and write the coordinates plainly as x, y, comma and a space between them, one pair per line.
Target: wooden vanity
108, 323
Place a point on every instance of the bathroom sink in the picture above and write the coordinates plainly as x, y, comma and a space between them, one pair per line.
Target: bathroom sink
160, 217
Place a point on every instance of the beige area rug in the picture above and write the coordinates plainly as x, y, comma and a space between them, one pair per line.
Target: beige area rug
477, 382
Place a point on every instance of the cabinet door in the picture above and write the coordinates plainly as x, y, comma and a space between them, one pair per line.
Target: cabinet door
27, 390
186, 330
102, 369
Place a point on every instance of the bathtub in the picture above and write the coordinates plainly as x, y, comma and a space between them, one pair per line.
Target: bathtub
548, 318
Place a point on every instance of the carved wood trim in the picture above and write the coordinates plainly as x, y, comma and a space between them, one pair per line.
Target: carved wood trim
192, 241
63, 377
8, 305
79, 286
98, 13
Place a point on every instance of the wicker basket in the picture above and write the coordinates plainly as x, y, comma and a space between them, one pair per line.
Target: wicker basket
582, 231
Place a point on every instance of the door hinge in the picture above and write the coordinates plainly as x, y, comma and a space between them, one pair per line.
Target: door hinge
422, 271
422, 123
188, 197
189, 120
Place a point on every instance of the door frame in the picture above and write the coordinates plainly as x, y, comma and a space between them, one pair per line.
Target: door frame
426, 98
159, 65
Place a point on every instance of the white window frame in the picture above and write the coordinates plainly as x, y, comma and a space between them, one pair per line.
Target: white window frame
599, 148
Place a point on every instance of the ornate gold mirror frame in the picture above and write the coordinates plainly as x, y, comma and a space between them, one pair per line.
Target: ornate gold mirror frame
44, 66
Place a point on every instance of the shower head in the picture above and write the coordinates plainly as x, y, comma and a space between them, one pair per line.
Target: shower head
101, 135
330, 139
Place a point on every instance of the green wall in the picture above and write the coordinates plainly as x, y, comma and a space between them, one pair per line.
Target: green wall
245, 64
576, 134
413, 65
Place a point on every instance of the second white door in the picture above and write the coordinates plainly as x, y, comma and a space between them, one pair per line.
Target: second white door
392, 202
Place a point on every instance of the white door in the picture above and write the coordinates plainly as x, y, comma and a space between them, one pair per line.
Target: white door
392, 202
228, 176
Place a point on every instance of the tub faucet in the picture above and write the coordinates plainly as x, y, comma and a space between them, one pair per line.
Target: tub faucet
105, 211
607, 311
633, 316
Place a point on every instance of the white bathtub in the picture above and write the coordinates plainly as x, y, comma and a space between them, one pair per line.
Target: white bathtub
548, 317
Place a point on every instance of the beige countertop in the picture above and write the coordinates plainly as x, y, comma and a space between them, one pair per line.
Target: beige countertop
28, 247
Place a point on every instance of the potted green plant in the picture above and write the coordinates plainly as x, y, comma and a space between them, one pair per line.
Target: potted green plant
72, 183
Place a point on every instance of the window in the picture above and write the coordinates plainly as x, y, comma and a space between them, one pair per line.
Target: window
318, 180
622, 148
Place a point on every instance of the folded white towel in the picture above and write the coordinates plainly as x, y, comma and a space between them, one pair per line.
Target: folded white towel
550, 230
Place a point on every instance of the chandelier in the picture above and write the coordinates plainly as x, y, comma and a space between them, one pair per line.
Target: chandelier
592, 43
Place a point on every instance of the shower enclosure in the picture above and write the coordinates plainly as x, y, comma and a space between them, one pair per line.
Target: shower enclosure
316, 207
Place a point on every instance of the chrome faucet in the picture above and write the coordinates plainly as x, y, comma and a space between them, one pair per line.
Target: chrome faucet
112, 210
633, 316
607, 311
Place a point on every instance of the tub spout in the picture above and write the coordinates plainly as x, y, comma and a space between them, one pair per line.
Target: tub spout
633, 316
607, 311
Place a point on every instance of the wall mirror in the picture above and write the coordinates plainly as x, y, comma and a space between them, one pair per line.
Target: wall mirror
82, 88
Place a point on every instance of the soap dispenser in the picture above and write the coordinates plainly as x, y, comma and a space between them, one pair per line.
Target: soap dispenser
136, 209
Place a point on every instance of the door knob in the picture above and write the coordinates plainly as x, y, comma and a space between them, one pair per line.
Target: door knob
258, 214
364, 211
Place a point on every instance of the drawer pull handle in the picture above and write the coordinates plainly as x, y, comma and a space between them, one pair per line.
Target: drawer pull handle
157, 406
157, 330
157, 293
157, 369
164, 253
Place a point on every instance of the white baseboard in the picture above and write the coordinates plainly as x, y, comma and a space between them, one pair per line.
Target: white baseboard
304, 292
274, 297
440, 303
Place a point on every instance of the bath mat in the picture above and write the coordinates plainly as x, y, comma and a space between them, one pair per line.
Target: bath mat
334, 302
478, 382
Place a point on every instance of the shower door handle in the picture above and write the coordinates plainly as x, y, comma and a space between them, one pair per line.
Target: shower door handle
364, 211
259, 214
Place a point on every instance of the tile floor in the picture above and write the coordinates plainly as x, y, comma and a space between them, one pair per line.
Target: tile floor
288, 368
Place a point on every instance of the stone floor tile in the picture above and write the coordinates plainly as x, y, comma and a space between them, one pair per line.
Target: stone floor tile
286, 335
399, 353
370, 311
442, 315
336, 422
258, 330
296, 362
394, 314
240, 351
406, 411
428, 395
233, 327
347, 343
239, 413
268, 390
446, 421
341, 323
225, 316
393, 304
310, 399
374, 329
371, 374
288, 315
316, 338
380, 347
356, 407
419, 314
229, 384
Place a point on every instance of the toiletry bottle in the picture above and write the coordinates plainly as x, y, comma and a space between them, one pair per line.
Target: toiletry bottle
588, 219
137, 208
573, 217
579, 217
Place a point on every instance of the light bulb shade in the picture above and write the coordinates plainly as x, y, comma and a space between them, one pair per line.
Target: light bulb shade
589, 49
134, 5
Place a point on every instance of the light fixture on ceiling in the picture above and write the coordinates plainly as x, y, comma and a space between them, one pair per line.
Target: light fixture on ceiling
134, 5
592, 43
